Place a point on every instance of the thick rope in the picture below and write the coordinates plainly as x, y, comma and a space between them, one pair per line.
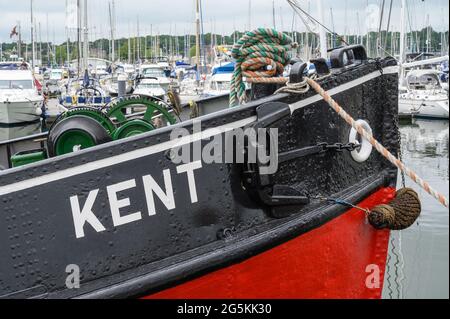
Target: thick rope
261, 56
380, 148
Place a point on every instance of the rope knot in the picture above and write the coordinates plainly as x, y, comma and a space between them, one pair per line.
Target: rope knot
400, 214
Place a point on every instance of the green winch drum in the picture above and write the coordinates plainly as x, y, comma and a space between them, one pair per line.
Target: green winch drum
93, 113
76, 133
84, 127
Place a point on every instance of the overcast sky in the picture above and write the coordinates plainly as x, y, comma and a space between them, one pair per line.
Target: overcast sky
177, 16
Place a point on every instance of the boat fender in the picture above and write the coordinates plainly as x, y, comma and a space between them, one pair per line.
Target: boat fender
363, 153
400, 214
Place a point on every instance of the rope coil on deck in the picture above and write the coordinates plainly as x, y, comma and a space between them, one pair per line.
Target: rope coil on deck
261, 56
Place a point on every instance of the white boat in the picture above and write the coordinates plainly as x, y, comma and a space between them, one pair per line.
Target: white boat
218, 84
53, 85
422, 95
111, 84
157, 72
20, 101
150, 87
129, 69
56, 75
100, 71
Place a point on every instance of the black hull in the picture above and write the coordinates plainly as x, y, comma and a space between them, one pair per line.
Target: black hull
225, 226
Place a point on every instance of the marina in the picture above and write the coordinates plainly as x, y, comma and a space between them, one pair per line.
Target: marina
298, 154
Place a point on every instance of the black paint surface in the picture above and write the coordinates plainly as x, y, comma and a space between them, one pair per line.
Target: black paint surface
37, 232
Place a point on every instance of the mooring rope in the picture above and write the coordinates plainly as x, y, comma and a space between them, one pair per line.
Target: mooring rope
261, 56
380, 148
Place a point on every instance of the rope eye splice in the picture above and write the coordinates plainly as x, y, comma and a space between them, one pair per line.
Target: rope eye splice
261, 56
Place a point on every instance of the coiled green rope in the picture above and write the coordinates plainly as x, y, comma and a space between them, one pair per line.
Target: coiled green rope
261, 56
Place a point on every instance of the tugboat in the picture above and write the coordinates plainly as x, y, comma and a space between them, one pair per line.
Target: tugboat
101, 196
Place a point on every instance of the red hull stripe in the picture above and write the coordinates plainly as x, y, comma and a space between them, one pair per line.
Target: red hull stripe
338, 260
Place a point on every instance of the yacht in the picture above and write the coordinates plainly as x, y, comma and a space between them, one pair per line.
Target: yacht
150, 87
158, 72
422, 95
129, 69
220, 80
53, 85
20, 101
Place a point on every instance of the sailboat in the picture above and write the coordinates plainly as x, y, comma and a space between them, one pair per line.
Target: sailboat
421, 93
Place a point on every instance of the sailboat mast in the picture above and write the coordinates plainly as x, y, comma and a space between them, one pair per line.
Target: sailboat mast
322, 32
138, 41
111, 25
86, 37
249, 15
129, 42
333, 43
197, 34
113, 31
68, 46
19, 41
428, 34
78, 34
151, 41
33, 54
273, 14
402, 36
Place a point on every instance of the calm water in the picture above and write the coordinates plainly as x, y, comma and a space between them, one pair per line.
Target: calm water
418, 265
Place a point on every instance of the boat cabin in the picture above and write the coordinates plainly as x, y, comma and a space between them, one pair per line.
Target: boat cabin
423, 80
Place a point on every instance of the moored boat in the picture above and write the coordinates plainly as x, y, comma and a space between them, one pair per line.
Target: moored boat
20, 101
138, 224
423, 95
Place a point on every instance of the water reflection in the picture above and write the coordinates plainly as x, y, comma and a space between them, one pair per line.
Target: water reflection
418, 265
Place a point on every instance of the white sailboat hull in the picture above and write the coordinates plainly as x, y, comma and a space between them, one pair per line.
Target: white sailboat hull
424, 105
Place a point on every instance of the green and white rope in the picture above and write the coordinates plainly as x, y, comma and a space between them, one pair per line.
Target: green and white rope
260, 55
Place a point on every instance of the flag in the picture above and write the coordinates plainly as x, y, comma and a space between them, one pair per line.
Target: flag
13, 33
